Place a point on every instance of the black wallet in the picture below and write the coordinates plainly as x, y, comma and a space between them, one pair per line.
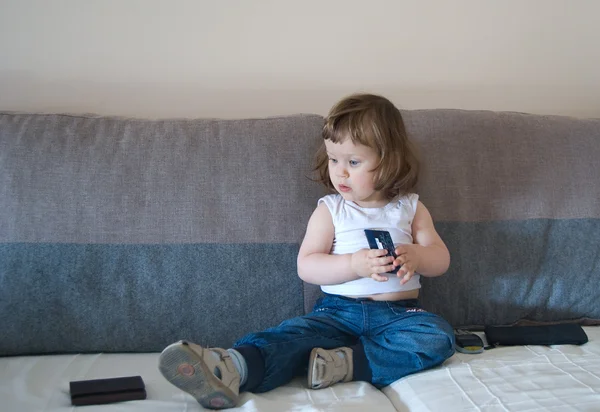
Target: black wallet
560, 334
99, 391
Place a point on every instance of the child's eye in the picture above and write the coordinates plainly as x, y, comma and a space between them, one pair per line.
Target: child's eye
332, 160
354, 162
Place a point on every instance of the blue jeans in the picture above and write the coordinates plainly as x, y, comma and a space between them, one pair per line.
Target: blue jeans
389, 339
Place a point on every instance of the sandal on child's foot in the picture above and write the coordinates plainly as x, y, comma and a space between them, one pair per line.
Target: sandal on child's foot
208, 374
327, 367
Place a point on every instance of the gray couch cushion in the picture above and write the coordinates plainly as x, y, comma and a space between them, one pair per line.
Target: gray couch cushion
125, 235
515, 197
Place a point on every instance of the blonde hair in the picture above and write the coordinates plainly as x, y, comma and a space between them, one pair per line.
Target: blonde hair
372, 121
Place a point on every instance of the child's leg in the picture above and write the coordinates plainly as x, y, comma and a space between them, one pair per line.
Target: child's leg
403, 340
397, 339
272, 357
278, 354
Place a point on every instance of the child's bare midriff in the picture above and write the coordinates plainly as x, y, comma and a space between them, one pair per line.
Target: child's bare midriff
406, 294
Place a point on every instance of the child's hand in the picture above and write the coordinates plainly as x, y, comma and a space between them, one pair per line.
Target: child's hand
408, 260
371, 262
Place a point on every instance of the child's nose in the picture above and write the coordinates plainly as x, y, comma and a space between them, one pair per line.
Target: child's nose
341, 171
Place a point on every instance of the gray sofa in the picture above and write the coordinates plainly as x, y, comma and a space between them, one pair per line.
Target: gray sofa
119, 236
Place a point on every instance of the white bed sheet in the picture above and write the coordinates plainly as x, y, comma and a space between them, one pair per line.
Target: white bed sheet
533, 378
519, 378
41, 383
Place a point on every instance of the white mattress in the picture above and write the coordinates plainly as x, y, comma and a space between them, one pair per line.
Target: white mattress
534, 378
519, 378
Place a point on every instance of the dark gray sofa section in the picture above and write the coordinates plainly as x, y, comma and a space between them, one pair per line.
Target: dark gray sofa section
127, 234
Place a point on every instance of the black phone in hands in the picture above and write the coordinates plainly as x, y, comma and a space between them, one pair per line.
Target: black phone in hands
381, 239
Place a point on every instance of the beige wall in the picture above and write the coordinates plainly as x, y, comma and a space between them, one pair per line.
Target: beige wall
239, 58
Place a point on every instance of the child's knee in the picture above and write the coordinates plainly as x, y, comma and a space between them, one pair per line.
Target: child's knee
442, 343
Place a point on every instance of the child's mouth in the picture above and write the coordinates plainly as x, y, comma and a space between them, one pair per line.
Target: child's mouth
344, 188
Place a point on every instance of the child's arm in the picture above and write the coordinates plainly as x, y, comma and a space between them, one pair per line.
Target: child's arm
428, 255
317, 266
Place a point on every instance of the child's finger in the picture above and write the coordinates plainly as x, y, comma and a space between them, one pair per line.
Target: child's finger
400, 250
378, 278
383, 261
399, 261
406, 277
375, 253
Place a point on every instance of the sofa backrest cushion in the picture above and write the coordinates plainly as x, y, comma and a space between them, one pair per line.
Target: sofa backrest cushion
126, 235
516, 197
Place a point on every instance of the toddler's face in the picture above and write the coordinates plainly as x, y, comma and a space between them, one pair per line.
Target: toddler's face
350, 171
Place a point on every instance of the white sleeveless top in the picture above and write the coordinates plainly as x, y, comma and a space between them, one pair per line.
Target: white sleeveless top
350, 220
